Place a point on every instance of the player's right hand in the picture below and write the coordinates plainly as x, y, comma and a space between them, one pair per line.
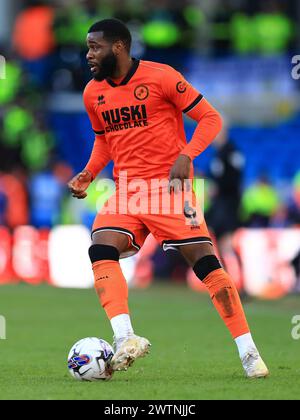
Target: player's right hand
79, 184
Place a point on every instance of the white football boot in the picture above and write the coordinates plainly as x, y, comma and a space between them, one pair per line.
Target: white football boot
128, 350
254, 365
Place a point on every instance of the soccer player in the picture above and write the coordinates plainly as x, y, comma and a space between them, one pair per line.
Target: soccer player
135, 108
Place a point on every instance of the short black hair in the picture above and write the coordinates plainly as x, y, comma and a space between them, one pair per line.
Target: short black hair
113, 30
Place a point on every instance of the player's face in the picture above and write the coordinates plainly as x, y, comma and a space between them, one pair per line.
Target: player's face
100, 56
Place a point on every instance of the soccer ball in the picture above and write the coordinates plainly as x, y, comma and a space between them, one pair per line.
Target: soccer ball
89, 359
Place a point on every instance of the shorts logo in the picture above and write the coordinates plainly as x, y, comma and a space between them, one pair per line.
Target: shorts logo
181, 87
141, 92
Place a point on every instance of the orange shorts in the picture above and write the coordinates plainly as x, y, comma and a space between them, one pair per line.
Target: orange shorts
173, 219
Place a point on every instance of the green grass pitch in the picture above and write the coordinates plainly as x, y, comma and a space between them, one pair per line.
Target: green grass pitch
192, 354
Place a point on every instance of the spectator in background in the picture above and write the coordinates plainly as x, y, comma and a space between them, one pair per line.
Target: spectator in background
226, 170
10, 86
241, 33
14, 195
3, 205
24, 140
288, 212
229, 26
47, 189
169, 28
260, 203
296, 265
294, 205
294, 217
273, 28
280, 218
266, 31
33, 39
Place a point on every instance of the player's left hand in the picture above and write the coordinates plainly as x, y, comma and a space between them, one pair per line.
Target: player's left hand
179, 175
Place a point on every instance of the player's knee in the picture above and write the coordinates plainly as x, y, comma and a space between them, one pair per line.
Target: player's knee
206, 265
103, 252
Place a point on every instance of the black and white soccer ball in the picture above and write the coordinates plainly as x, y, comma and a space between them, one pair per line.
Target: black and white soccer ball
89, 360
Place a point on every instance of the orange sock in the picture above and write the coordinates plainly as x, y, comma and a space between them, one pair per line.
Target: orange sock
226, 299
111, 287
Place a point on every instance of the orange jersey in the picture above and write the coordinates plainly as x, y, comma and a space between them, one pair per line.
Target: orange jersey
140, 119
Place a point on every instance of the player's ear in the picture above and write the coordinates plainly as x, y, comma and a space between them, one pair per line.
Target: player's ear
118, 47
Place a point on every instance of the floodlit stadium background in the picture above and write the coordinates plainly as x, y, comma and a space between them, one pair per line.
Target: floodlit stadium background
238, 53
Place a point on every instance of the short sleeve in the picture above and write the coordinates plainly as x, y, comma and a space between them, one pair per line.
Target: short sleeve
179, 92
89, 106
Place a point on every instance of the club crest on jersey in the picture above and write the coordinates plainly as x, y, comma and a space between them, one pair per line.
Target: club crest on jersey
141, 92
181, 87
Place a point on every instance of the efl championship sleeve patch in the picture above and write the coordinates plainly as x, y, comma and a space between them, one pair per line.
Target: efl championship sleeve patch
181, 86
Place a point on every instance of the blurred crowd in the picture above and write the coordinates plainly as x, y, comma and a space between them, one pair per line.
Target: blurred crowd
55, 59
47, 55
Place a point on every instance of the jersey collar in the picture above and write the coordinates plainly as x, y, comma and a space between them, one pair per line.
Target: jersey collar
129, 75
